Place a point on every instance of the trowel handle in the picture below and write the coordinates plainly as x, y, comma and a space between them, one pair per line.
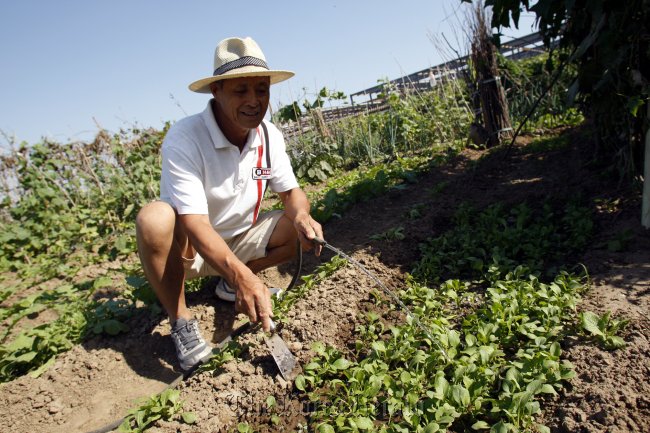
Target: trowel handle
318, 241
272, 323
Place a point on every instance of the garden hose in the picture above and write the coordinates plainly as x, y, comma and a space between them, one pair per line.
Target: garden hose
296, 273
240, 330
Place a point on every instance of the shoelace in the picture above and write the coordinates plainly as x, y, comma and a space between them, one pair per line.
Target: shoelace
187, 335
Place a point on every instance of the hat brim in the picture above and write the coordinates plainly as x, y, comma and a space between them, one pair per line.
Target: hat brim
203, 85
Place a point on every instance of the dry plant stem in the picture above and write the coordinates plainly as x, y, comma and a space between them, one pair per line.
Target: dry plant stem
493, 99
538, 101
533, 108
89, 169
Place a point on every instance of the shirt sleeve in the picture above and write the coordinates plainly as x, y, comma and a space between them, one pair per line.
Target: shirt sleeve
181, 178
284, 178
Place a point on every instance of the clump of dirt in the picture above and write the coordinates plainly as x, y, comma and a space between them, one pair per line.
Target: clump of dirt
96, 383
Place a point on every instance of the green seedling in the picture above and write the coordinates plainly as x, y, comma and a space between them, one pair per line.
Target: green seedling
271, 407
243, 427
604, 329
164, 406
107, 317
392, 234
231, 350
436, 190
416, 211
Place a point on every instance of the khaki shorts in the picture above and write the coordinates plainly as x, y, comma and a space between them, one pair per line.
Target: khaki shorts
247, 246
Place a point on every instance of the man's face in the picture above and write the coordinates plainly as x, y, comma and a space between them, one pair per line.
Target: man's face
242, 102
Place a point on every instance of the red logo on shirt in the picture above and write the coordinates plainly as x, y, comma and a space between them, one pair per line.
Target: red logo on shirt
262, 173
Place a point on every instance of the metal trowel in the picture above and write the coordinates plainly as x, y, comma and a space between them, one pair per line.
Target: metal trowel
284, 359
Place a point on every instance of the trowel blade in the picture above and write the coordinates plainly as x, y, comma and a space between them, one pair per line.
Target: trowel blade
284, 359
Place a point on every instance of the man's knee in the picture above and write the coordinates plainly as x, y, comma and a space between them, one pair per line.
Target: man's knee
155, 221
284, 234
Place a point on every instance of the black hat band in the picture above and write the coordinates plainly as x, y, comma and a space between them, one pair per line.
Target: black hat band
240, 63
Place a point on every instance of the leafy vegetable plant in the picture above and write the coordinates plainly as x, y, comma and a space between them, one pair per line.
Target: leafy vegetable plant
604, 329
166, 406
392, 234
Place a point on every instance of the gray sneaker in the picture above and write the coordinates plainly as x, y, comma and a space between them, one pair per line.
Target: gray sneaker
191, 348
224, 291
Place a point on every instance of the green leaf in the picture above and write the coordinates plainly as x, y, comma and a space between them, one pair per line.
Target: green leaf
270, 401
121, 243
499, 427
454, 338
26, 357
460, 395
548, 389
299, 382
139, 418
188, 417
614, 342
312, 366
125, 427
432, 428
325, 428
534, 386
364, 423
326, 166
128, 210
378, 346
102, 282
23, 341
590, 323
40, 370
114, 327
555, 349
480, 425
440, 385
341, 364
318, 347
485, 352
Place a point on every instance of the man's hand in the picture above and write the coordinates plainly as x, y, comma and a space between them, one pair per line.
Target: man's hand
254, 299
296, 207
307, 229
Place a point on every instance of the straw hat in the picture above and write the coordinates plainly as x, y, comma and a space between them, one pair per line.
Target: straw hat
235, 58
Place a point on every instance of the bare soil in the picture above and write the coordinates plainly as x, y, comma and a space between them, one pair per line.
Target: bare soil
96, 383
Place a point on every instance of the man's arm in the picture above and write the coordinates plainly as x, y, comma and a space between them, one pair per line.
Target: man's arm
297, 208
252, 295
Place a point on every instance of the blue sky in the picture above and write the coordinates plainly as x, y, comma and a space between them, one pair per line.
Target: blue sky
71, 66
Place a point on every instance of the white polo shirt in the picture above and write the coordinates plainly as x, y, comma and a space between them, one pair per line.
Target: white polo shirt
203, 173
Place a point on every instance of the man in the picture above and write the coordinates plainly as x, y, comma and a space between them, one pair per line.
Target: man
216, 166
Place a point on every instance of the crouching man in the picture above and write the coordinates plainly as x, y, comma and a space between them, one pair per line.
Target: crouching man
216, 166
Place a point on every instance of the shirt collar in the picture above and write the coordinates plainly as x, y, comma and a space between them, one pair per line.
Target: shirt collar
216, 135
